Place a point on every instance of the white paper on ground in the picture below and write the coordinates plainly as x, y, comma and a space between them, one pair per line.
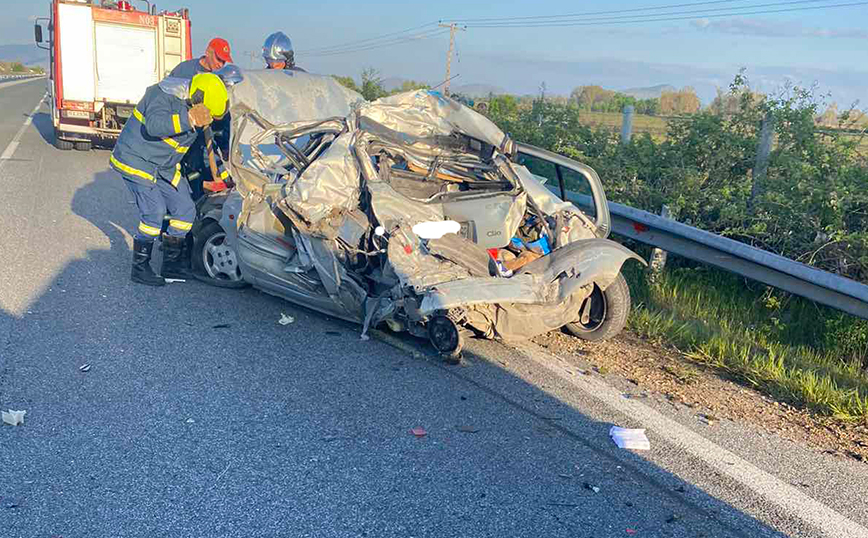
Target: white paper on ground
630, 439
14, 418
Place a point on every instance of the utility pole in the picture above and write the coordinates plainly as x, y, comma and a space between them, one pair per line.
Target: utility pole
252, 55
452, 28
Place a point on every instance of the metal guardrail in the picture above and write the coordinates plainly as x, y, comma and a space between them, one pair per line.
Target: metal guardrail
704, 247
13, 77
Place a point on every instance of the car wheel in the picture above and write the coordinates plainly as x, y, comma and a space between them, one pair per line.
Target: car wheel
215, 262
603, 314
446, 338
83, 146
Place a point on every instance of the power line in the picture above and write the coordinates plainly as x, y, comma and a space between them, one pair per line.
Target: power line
590, 13
396, 41
368, 40
663, 18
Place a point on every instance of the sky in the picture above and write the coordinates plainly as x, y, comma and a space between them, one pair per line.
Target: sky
704, 48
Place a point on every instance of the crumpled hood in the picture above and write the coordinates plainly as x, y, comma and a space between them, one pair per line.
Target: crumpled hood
425, 114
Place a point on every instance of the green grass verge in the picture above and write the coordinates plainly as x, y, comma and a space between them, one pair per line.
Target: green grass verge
789, 348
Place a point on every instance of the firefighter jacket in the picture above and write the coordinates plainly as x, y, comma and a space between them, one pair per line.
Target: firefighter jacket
154, 139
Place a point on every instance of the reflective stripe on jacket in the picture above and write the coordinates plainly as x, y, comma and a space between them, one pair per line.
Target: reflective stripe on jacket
154, 139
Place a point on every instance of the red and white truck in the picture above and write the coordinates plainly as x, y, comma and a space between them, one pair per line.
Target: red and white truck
104, 55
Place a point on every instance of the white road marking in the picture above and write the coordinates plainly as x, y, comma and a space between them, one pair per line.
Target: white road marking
776, 492
10, 149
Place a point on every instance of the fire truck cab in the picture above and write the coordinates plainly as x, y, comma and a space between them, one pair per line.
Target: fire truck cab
103, 56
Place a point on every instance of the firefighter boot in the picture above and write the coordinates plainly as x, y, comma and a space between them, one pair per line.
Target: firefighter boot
142, 272
176, 258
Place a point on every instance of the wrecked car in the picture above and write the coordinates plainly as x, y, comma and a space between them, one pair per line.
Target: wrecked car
412, 212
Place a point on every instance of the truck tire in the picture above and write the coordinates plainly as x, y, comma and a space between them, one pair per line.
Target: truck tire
608, 313
83, 146
61, 144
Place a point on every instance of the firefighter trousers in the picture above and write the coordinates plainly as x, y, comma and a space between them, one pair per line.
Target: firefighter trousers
158, 199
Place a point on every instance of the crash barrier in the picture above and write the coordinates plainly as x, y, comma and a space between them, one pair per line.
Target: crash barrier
750, 262
13, 77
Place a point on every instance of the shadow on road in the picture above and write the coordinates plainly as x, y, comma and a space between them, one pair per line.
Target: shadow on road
181, 427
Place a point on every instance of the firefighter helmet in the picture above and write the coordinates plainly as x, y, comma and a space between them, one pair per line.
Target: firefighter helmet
208, 89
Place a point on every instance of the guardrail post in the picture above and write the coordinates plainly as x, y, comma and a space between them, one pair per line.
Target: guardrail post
658, 255
627, 125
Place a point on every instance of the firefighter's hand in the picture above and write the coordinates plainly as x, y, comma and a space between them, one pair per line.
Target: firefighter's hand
200, 116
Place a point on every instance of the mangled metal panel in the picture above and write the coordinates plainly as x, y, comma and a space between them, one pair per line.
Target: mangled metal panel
282, 97
326, 190
426, 114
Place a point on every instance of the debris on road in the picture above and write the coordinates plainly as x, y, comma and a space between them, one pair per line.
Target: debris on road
631, 532
14, 418
708, 420
221, 326
419, 432
630, 439
285, 320
590, 487
190, 421
174, 280
84, 367
673, 518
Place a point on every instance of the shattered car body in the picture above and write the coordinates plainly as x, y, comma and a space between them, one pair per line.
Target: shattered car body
334, 196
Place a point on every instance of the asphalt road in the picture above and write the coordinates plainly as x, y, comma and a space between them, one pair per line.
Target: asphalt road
183, 429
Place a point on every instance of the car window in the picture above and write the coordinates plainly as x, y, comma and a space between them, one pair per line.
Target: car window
579, 184
539, 167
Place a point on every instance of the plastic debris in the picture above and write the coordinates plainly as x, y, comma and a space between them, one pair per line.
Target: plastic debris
631, 532
285, 320
591, 487
84, 367
708, 420
174, 280
14, 418
419, 432
190, 421
630, 439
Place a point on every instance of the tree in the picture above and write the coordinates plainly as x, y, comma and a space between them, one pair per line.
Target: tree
372, 85
346, 82
18, 67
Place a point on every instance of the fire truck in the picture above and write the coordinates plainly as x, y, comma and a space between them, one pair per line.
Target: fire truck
103, 56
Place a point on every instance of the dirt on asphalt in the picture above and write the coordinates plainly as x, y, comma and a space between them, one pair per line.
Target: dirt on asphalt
667, 375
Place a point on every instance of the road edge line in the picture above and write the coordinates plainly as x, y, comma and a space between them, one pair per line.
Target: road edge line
767, 486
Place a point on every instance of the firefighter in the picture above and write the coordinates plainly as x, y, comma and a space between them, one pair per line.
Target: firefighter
216, 56
148, 155
278, 54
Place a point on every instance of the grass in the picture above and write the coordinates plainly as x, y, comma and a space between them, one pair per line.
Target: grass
789, 348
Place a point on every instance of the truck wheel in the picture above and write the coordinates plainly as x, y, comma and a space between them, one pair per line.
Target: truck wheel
82, 146
62, 144
214, 262
604, 313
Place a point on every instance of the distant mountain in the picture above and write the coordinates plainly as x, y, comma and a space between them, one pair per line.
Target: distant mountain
477, 90
651, 92
26, 54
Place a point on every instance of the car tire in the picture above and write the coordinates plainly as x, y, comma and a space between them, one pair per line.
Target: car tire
213, 262
61, 144
608, 312
83, 146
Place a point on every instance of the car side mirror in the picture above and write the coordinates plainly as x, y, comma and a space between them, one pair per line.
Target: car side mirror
37, 29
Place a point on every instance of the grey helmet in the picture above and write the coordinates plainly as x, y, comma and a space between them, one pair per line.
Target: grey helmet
278, 47
230, 74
